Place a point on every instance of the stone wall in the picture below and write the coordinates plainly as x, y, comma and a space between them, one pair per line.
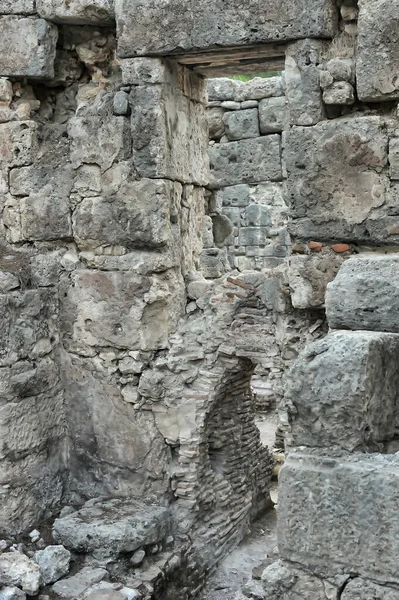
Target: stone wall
140, 289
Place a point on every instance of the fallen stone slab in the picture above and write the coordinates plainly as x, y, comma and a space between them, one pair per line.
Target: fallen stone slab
114, 526
75, 586
365, 295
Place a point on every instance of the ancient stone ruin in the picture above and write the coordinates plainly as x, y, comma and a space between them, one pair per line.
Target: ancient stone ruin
180, 251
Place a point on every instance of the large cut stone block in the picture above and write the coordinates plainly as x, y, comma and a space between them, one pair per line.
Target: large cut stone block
346, 373
246, 161
114, 448
337, 514
334, 174
77, 12
178, 26
43, 211
139, 216
365, 295
170, 134
27, 47
378, 51
122, 309
114, 526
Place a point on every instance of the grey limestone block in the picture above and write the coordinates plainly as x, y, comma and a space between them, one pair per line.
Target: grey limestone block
139, 216
337, 513
163, 145
246, 161
272, 114
53, 562
335, 172
365, 295
178, 26
308, 276
377, 51
346, 373
242, 124
339, 93
77, 12
17, 569
27, 47
259, 88
114, 525
214, 117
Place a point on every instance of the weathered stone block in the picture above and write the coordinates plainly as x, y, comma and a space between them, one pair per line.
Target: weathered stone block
334, 173
272, 115
337, 513
77, 12
181, 27
365, 295
258, 88
345, 373
377, 51
169, 133
246, 161
340, 93
241, 124
235, 195
112, 445
17, 7
308, 277
214, 117
302, 80
360, 589
122, 309
97, 139
27, 47
114, 525
18, 143
139, 216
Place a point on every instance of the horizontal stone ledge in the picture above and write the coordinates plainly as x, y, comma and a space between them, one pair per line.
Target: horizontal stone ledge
181, 26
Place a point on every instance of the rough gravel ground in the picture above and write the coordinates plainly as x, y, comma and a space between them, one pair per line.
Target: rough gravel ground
258, 548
